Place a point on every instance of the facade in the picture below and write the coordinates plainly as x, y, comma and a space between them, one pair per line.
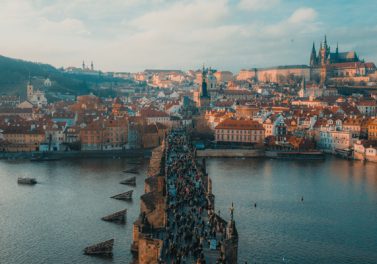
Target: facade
223, 76
107, 134
23, 139
332, 140
9, 100
54, 138
367, 107
283, 73
240, 131
36, 98
365, 150
372, 130
338, 66
155, 116
274, 125
244, 75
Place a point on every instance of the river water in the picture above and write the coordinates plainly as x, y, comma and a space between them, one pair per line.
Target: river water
54, 220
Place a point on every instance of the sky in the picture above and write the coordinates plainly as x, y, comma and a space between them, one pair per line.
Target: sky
133, 35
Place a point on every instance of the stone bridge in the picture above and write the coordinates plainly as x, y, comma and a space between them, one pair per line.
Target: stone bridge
177, 221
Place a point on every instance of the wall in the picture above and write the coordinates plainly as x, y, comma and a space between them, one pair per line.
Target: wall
231, 153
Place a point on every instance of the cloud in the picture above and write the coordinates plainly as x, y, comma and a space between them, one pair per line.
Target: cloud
256, 5
182, 15
301, 21
136, 34
67, 26
302, 15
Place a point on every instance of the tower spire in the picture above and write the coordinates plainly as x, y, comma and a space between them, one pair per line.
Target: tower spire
313, 56
231, 209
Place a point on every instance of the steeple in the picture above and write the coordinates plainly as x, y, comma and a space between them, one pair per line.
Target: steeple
337, 49
313, 56
29, 88
92, 66
203, 91
325, 43
83, 65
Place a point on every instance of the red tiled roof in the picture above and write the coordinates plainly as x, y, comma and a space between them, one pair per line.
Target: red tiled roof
239, 125
153, 113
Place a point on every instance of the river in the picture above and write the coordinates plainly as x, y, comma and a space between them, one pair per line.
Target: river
54, 220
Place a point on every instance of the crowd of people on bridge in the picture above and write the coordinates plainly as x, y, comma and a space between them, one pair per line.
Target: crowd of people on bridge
189, 226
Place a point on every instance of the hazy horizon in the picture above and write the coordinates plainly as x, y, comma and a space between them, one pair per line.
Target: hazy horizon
134, 35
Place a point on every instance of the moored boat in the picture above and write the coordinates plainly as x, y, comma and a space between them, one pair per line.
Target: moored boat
104, 248
30, 181
126, 196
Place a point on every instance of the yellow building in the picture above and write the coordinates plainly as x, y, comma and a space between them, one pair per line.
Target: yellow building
372, 129
241, 131
22, 139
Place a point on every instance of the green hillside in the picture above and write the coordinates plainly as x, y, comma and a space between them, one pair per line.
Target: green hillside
14, 75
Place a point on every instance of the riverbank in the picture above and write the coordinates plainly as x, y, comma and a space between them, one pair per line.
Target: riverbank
231, 153
79, 154
259, 153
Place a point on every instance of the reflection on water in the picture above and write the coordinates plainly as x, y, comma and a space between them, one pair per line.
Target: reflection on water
53, 221
336, 223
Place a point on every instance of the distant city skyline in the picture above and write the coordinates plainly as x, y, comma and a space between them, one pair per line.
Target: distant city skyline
134, 35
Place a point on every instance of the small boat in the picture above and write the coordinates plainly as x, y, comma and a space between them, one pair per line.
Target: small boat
104, 248
130, 181
117, 217
123, 196
133, 170
30, 181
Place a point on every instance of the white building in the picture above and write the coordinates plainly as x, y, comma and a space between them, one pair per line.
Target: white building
36, 98
364, 150
331, 140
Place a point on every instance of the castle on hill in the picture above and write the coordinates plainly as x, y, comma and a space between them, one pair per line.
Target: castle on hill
325, 66
338, 66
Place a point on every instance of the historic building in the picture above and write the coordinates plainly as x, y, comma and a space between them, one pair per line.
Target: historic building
36, 98
326, 65
241, 130
204, 97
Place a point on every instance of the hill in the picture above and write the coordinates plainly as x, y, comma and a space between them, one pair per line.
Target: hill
14, 75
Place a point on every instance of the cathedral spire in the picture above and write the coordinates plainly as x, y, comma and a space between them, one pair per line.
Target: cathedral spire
313, 56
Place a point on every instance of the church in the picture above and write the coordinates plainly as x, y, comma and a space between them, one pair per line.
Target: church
35, 97
338, 66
